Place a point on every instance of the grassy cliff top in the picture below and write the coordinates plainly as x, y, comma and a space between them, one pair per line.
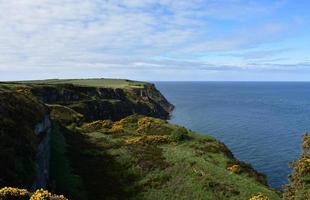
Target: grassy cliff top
141, 157
102, 82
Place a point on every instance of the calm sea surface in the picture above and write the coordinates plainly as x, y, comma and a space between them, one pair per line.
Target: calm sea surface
261, 123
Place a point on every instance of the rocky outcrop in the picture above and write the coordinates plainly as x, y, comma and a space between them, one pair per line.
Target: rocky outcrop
105, 103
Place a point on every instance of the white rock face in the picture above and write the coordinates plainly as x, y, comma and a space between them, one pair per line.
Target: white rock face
43, 131
43, 126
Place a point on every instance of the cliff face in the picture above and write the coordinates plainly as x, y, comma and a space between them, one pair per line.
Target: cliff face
26, 126
24, 138
105, 103
43, 132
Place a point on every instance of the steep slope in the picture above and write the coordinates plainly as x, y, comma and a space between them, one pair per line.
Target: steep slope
24, 132
141, 157
105, 144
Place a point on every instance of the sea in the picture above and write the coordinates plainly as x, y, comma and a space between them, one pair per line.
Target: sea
262, 123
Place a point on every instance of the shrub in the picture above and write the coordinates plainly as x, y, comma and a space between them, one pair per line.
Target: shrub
9, 193
148, 139
149, 125
299, 179
65, 115
97, 125
259, 197
179, 134
234, 169
144, 123
45, 195
117, 128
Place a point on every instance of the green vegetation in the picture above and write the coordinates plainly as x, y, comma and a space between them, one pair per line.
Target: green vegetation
9, 193
61, 174
18, 143
152, 159
65, 114
105, 144
107, 83
299, 187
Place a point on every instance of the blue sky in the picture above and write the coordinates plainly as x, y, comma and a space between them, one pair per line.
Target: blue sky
205, 40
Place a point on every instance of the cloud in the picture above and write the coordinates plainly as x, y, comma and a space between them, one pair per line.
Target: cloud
83, 35
259, 54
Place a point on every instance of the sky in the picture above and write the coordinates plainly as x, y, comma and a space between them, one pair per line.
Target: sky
155, 40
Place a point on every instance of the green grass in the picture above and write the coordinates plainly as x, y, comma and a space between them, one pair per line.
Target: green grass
178, 168
61, 174
108, 83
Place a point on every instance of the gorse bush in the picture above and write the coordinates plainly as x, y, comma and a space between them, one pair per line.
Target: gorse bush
117, 128
97, 125
259, 197
149, 125
45, 195
299, 186
234, 169
9, 193
148, 139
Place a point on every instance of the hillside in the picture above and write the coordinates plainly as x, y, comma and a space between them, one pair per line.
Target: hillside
87, 139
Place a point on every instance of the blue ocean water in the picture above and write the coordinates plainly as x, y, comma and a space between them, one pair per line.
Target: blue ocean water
261, 122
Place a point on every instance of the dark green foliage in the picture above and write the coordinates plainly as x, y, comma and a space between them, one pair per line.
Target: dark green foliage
180, 134
18, 142
148, 157
299, 186
104, 177
207, 145
222, 189
63, 180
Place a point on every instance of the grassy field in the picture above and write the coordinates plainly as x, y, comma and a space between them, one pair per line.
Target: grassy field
109, 83
146, 158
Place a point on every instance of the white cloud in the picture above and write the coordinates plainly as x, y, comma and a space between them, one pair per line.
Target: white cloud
114, 34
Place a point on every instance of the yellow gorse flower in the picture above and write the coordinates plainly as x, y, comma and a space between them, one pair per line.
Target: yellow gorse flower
7, 192
234, 169
259, 197
45, 195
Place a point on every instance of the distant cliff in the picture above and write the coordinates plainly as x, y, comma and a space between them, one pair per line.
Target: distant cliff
95, 103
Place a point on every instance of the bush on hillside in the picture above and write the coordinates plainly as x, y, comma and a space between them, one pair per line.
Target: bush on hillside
117, 128
179, 134
9, 193
299, 186
148, 139
259, 197
236, 169
45, 195
97, 125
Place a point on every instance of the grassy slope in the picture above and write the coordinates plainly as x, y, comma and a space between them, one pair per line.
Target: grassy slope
109, 83
147, 158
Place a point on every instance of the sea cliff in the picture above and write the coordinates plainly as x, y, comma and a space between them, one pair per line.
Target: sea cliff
109, 139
